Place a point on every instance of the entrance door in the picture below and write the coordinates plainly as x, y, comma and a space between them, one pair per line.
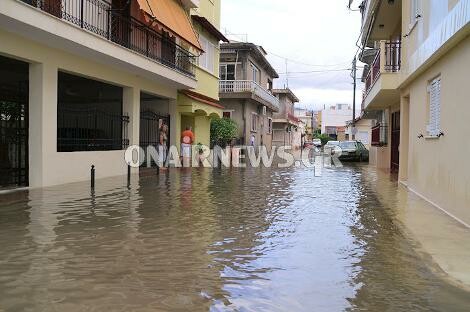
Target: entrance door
151, 124
14, 94
395, 144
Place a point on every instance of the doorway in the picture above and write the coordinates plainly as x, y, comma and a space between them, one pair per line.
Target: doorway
14, 123
395, 143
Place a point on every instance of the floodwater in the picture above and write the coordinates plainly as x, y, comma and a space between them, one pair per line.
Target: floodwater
216, 240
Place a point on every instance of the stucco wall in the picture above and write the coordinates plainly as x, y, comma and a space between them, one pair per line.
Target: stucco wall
438, 168
47, 166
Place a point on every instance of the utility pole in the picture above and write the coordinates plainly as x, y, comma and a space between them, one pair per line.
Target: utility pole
353, 124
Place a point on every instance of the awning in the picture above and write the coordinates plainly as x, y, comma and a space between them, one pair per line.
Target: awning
172, 16
193, 102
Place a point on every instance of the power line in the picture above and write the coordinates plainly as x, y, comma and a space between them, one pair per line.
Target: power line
316, 71
304, 63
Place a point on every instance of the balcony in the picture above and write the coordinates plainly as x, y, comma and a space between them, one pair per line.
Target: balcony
248, 89
379, 135
100, 18
382, 80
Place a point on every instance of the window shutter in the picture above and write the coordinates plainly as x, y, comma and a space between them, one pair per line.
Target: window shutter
435, 108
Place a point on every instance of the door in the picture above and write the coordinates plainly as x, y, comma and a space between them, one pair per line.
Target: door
395, 144
53, 7
151, 124
14, 94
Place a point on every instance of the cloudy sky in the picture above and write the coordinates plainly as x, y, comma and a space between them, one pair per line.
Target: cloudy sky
314, 35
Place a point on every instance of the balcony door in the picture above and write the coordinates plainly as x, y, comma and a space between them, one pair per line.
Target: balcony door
120, 22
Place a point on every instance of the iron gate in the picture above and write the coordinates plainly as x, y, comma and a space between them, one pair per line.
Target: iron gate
150, 129
14, 135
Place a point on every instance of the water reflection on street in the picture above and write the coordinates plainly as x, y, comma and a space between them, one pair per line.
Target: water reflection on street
201, 240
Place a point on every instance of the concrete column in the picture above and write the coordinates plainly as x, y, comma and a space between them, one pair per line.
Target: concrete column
131, 107
175, 122
202, 128
42, 122
404, 139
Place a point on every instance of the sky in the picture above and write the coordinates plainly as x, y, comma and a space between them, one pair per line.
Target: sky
314, 35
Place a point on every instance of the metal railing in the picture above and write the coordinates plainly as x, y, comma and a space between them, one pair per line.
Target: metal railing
102, 18
379, 135
387, 60
91, 130
240, 86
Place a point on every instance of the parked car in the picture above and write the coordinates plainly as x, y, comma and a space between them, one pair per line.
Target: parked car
353, 150
316, 142
332, 146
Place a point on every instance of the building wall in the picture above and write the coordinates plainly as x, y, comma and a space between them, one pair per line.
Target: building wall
437, 168
335, 118
47, 166
242, 110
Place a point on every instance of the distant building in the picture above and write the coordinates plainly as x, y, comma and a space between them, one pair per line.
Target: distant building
362, 132
285, 124
246, 80
334, 118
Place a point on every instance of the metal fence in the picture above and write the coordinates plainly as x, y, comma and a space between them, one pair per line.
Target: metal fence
91, 130
101, 18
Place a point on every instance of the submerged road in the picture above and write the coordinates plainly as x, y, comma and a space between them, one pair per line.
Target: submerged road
216, 240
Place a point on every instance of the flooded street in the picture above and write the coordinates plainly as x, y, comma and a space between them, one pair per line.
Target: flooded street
216, 240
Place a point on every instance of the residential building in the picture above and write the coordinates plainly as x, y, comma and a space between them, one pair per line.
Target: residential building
197, 107
285, 125
333, 120
246, 80
417, 86
308, 119
83, 79
362, 131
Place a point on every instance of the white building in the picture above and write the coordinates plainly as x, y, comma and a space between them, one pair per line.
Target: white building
335, 117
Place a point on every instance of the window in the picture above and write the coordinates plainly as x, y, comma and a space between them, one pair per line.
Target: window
270, 85
434, 90
415, 11
254, 122
227, 114
206, 60
89, 115
227, 72
255, 73
270, 125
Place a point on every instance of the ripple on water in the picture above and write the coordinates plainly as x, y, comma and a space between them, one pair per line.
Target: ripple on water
234, 240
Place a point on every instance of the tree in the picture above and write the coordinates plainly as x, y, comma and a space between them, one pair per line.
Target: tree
223, 130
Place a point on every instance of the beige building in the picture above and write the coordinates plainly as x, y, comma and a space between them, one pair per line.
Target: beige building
81, 82
196, 108
286, 130
417, 85
246, 81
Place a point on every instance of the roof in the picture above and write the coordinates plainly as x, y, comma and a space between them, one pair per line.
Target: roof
171, 15
207, 25
287, 92
202, 98
257, 51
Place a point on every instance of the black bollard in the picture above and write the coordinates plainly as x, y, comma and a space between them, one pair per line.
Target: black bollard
128, 174
93, 176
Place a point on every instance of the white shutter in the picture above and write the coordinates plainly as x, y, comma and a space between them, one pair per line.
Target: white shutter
433, 128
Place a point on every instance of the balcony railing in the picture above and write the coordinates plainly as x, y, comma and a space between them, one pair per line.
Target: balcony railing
103, 19
387, 60
379, 135
240, 86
